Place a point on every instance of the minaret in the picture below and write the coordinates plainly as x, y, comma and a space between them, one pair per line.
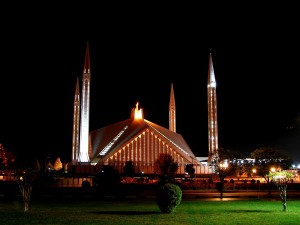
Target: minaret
85, 110
212, 114
172, 111
76, 119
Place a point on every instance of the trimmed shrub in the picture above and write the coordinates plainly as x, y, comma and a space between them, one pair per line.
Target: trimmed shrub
168, 197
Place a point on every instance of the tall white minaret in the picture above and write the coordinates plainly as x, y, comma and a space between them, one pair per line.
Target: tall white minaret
85, 110
172, 111
76, 119
212, 114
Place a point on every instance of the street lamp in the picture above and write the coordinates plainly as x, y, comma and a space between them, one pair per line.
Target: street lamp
222, 174
224, 165
254, 172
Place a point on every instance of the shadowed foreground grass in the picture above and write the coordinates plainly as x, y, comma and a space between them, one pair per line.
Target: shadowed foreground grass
135, 211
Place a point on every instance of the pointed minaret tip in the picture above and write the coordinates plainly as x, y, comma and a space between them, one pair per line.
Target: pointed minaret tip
172, 111
87, 66
172, 98
211, 74
77, 87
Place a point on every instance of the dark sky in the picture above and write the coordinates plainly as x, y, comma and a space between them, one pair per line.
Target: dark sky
135, 56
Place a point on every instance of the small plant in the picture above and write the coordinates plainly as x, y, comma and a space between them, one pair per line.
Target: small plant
168, 197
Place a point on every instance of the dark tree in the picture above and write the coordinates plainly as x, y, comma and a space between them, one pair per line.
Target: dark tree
227, 163
267, 158
166, 167
107, 179
7, 159
129, 169
247, 168
189, 168
26, 175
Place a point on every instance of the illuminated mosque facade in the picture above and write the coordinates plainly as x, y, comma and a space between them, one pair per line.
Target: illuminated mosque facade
137, 139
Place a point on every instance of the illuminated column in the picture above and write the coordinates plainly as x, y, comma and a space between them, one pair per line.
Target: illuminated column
147, 141
85, 110
172, 111
76, 117
212, 113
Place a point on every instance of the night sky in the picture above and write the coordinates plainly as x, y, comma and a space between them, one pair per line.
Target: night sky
135, 56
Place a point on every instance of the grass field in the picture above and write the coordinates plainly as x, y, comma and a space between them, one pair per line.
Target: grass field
136, 211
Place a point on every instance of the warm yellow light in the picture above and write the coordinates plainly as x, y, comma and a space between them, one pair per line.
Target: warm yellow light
273, 169
224, 165
138, 112
254, 171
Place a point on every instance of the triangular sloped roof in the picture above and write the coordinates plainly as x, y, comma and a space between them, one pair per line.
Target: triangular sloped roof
174, 138
105, 141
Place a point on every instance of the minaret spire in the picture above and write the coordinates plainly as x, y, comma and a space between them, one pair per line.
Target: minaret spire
85, 109
172, 111
212, 114
76, 119
86, 68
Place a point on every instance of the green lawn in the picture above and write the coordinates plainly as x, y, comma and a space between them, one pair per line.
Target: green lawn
147, 212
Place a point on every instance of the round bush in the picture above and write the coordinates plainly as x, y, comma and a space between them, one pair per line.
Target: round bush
168, 197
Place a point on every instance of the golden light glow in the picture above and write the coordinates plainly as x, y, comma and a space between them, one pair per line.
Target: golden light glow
224, 165
138, 112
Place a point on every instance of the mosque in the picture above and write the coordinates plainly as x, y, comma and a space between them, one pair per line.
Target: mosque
136, 139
